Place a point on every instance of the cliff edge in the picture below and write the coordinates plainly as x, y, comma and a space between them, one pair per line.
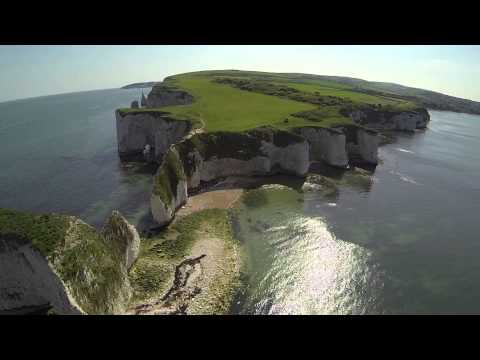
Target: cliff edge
59, 264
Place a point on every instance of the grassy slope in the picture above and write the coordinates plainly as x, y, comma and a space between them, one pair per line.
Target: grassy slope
356, 97
222, 107
86, 252
153, 272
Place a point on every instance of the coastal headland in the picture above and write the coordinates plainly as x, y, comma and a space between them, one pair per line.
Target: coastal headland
211, 130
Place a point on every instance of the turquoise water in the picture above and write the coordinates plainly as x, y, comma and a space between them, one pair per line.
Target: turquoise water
404, 241
59, 154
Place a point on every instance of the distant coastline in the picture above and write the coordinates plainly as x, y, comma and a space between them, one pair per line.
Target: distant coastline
139, 85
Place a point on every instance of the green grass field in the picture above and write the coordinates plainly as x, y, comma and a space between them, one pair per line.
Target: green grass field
224, 108
302, 100
356, 97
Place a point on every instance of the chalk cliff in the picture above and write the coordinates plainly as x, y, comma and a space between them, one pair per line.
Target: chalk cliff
60, 264
169, 189
327, 145
187, 160
164, 95
209, 156
123, 236
388, 120
341, 146
136, 129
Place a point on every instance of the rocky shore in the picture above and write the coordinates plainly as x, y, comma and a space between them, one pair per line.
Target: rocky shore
59, 264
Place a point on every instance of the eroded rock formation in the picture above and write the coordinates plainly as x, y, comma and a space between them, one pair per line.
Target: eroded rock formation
124, 236
327, 145
28, 282
187, 160
208, 156
163, 95
387, 120
136, 129
59, 263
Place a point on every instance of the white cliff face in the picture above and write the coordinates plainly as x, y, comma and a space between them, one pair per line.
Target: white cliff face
363, 146
293, 158
28, 281
215, 168
164, 212
290, 159
124, 236
402, 121
162, 96
368, 146
161, 212
170, 189
137, 129
82, 272
327, 145
423, 119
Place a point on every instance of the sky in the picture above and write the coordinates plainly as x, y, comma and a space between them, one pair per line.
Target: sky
30, 71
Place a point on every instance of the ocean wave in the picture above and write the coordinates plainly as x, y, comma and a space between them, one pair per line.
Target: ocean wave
405, 150
405, 178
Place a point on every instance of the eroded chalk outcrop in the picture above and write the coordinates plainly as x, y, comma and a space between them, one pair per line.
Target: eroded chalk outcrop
328, 145
28, 282
362, 145
341, 146
169, 189
136, 129
60, 264
209, 156
122, 235
163, 95
408, 120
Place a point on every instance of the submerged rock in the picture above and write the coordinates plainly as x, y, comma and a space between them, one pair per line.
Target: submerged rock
322, 184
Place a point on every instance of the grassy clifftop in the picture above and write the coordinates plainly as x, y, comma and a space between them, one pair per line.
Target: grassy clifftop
230, 100
86, 262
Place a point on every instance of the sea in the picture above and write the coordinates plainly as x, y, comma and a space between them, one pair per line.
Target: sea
402, 240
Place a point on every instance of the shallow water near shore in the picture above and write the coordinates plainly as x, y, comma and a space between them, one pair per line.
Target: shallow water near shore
404, 242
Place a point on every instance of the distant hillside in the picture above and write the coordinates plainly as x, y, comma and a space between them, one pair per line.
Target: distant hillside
139, 85
425, 98
422, 97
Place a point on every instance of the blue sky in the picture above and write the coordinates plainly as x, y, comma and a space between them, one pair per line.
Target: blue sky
28, 71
